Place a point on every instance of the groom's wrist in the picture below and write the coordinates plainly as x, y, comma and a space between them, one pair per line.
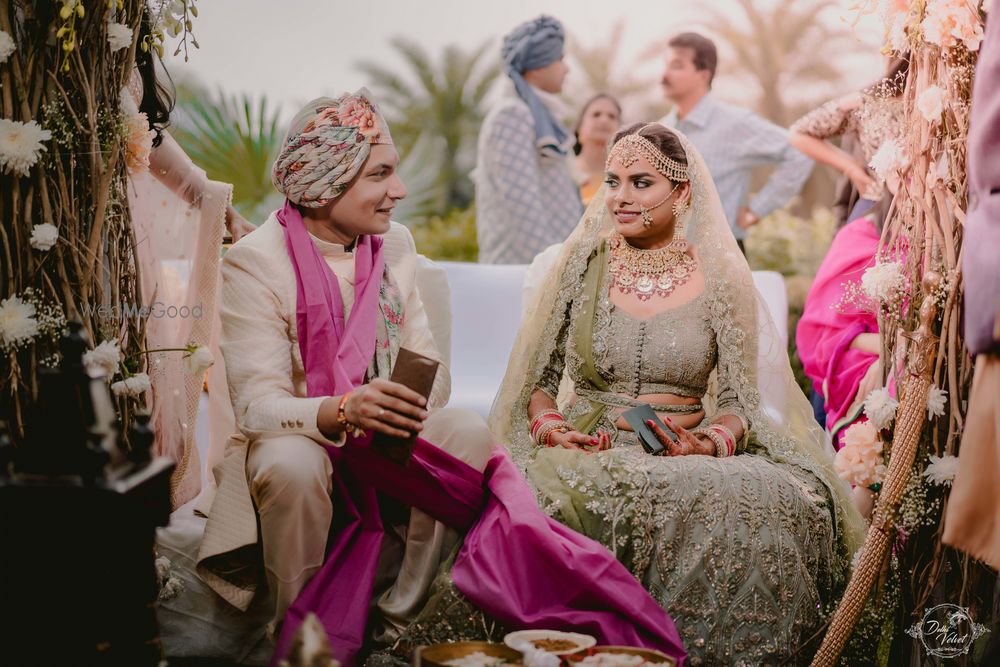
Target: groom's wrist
326, 418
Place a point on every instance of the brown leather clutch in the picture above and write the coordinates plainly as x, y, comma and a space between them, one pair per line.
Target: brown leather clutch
417, 372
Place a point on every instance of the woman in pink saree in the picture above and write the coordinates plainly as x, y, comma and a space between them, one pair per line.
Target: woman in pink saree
836, 338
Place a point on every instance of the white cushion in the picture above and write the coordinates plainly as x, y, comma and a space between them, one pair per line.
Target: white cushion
486, 308
432, 284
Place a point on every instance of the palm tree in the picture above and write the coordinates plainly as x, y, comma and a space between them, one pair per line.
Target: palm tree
441, 100
599, 66
234, 139
785, 47
425, 189
777, 49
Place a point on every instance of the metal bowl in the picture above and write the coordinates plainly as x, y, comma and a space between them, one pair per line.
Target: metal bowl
439, 654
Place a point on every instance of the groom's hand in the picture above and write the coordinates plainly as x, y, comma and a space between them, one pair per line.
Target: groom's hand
387, 407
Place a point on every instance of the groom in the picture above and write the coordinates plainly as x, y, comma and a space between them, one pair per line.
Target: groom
333, 240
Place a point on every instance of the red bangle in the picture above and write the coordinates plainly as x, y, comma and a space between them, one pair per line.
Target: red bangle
727, 436
542, 418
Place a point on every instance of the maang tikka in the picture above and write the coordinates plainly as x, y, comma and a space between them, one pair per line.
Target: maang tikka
633, 146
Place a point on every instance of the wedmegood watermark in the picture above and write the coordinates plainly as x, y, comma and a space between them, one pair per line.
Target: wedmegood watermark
156, 310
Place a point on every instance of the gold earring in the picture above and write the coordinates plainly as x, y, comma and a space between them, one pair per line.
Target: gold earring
679, 212
680, 208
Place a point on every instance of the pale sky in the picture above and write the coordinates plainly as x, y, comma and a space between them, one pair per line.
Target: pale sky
295, 50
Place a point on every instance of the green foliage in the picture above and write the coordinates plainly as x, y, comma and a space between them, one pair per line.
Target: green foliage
788, 244
451, 238
235, 140
425, 191
775, 47
794, 247
441, 102
601, 70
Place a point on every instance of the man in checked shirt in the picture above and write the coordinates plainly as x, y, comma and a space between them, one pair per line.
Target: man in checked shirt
732, 140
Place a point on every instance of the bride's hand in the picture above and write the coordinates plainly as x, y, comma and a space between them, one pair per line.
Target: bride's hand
582, 441
686, 443
236, 224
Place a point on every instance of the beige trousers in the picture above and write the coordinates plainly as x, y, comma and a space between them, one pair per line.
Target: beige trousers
290, 482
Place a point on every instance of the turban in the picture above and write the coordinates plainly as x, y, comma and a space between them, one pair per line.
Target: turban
533, 45
327, 143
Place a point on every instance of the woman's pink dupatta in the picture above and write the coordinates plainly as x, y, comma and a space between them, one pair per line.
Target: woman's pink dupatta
828, 327
518, 565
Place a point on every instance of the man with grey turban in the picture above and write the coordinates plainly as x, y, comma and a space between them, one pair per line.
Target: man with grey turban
526, 198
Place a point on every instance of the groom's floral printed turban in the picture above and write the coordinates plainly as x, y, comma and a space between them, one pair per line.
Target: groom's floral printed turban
327, 143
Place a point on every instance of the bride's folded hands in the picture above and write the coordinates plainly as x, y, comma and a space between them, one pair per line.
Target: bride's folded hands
686, 442
578, 440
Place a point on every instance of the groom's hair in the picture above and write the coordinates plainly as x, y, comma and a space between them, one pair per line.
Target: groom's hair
706, 56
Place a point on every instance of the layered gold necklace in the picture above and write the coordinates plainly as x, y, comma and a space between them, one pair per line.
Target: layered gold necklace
646, 273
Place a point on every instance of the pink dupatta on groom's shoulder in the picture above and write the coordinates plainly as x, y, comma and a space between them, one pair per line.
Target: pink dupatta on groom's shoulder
521, 567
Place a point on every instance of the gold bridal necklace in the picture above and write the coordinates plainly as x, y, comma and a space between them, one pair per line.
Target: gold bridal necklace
649, 272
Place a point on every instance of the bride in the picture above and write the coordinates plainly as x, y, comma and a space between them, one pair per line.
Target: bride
741, 530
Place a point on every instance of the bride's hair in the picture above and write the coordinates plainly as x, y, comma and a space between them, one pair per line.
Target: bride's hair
668, 142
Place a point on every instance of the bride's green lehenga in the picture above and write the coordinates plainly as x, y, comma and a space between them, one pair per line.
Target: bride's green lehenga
744, 552
741, 550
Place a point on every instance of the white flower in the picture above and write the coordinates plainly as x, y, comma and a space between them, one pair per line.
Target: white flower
162, 568
936, 400
134, 386
880, 408
7, 46
896, 35
895, 17
883, 281
171, 17
888, 158
44, 236
119, 36
942, 469
103, 359
171, 589
17, 321
931, 103
198, 360
21, 145
948, 22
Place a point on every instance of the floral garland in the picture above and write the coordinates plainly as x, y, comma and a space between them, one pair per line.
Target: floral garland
942, 38
66, 244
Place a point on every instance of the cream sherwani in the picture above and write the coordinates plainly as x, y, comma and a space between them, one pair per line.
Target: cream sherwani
274, 469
